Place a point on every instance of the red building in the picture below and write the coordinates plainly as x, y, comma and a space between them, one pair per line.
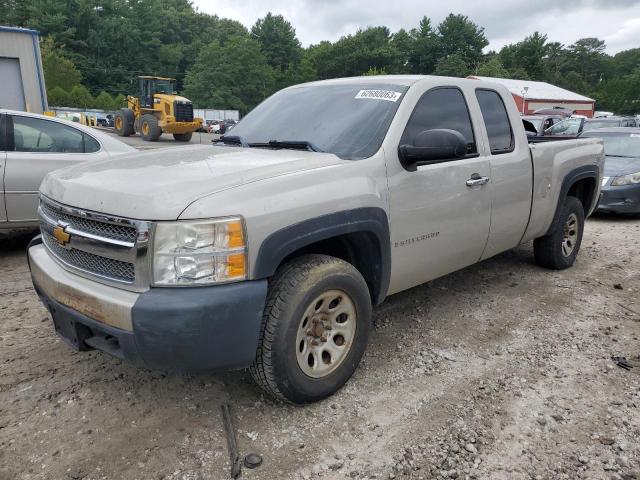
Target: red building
531, 96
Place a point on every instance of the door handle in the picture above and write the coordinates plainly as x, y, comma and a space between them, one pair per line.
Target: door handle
477, 180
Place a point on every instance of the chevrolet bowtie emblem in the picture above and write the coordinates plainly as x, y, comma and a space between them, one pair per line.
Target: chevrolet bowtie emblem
61, 235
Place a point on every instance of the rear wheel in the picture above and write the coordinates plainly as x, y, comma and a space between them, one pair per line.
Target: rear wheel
182, 137
315, 329
123, 122
558, 250
149, 128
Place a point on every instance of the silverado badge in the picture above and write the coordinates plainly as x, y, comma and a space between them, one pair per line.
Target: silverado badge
61, 235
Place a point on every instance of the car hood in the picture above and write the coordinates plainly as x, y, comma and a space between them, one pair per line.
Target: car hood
159, 184
616, 166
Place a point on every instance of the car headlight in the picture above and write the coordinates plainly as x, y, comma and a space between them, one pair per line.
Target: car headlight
199, 252
630, 179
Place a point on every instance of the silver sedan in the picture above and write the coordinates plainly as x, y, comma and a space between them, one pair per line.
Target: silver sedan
33, 145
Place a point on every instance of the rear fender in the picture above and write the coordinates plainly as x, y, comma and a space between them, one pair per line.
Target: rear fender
580, 173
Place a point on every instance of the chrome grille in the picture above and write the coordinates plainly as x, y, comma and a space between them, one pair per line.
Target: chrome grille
105, 248
118, 232
94, 264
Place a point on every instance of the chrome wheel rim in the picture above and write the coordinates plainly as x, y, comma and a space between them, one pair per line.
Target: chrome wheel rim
570, 235
325, 333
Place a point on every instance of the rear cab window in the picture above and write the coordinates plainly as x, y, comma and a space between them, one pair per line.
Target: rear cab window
496, 121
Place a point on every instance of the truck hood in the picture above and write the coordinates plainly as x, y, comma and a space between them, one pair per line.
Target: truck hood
159, 184
616, 166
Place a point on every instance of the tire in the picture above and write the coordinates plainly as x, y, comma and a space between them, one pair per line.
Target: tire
286, 346
123, 122
149, 128
182, 137
558, 249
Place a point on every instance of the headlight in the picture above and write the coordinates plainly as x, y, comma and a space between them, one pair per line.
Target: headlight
199, 252
630, 179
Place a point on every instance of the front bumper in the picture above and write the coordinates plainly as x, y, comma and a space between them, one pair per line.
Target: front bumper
624, 199
176, 329
181, 127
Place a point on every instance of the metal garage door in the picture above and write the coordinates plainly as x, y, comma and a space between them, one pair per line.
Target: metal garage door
11, 93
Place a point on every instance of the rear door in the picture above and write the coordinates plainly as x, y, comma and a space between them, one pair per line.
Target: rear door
439, 214
511, 173
38, 146
3, 162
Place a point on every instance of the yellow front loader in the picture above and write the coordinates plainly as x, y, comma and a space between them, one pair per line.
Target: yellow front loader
157, 110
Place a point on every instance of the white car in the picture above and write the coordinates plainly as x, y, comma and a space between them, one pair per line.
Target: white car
33, 145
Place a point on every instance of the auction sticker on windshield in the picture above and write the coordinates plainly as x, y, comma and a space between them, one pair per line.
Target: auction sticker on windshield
388, 95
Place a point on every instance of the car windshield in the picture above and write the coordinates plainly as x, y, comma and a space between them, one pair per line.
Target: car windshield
349, 121
619, 144
570, 126
593, 125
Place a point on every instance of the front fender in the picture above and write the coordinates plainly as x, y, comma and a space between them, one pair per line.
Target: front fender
286, 241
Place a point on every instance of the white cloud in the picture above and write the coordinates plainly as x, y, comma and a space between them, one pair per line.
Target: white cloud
627, 35
617, 22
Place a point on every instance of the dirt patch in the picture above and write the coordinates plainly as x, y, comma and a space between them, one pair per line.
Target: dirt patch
502, 370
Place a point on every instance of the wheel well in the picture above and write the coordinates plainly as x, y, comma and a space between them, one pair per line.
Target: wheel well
360, 249
583, 190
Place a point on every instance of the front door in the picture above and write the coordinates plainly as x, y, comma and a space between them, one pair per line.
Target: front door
439, 216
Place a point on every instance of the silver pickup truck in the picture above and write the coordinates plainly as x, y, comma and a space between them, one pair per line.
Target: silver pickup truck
269, 249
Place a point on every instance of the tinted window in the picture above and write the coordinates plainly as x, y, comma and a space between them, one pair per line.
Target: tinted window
496, 120
349, 121
90, 144
440, 108
39, 135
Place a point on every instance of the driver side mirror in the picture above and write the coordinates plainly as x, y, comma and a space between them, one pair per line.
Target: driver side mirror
433, 146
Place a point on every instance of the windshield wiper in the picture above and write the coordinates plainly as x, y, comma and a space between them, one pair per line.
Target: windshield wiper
295, 144
233, 139
620, 156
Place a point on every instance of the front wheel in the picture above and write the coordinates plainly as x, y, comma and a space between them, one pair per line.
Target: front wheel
315, 329
558, 249
149, 128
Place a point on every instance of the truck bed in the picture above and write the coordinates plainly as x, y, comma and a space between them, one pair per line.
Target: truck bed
555, 158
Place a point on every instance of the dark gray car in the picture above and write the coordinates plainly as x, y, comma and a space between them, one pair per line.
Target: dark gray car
621, 182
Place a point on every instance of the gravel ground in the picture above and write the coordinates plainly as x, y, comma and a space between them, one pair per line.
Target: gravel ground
500, 371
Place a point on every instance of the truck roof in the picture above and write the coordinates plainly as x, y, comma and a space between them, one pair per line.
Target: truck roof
402, 80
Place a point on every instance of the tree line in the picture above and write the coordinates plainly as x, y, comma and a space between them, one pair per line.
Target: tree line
93, 49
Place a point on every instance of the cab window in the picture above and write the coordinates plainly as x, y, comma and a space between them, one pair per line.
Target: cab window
43, 136
496, 120
441, 108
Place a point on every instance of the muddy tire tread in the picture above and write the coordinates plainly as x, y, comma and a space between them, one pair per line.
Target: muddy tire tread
281, 287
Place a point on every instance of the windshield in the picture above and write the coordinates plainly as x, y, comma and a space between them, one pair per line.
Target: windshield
619, 144
349, 121
570, 126
165, 86
592, 125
